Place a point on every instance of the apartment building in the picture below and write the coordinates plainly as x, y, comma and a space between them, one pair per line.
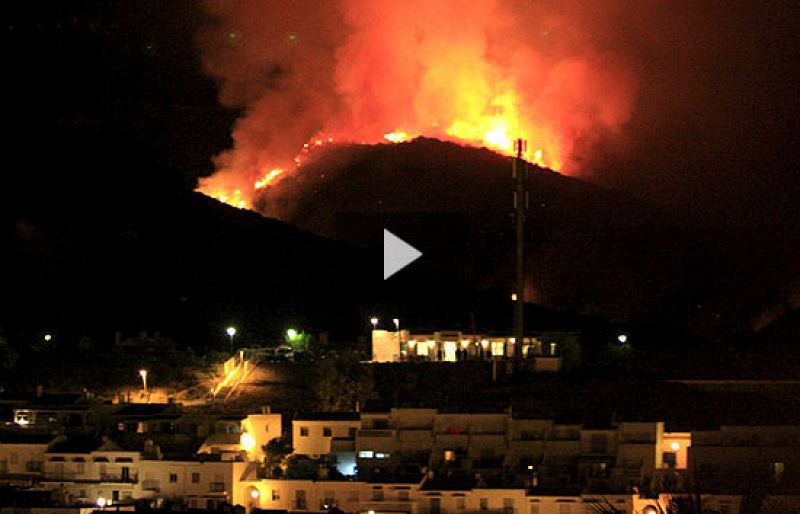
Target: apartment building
545, 349
90, 470
734, 458
22, 456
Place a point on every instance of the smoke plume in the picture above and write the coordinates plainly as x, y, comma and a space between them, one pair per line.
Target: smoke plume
484, 72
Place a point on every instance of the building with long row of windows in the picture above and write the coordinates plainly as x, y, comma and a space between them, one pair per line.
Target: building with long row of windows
406, 461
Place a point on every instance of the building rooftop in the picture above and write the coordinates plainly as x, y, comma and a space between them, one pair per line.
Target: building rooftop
17, 437
328, 416
145, 409
83, 444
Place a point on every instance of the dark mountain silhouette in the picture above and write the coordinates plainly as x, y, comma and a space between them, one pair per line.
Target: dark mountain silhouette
590, 250
111, 242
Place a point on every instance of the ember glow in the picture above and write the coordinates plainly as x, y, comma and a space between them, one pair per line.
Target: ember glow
375, 71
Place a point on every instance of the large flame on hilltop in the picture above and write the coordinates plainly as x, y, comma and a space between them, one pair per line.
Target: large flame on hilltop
307, 74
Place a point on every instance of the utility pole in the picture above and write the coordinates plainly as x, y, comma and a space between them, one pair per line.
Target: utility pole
520, 174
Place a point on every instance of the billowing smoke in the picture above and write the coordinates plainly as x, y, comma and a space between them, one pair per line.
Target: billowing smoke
484, 72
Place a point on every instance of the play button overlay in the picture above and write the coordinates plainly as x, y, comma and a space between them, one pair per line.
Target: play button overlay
397, 254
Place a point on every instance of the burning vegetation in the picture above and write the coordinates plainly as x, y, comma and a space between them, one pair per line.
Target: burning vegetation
305, 74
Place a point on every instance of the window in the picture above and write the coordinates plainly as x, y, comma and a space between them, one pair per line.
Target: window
80, 468
276, 495
508, 505
381, 455
564, 508
366, 454
461, 503
778, 469
534, 508
14, 458
82, 493
351, 432
173, 477
327, 431
303, 431
377, 494
402, 495
195, 478
670, 459
449, 455
498, 348
484, 503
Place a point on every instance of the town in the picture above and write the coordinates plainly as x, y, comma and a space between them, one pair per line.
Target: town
75, 451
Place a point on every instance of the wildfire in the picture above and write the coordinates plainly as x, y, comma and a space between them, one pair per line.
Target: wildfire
375, 71
396, 136
268, 178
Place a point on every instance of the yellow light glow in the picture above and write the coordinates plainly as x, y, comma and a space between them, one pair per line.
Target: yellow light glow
675, 446
254, 494
247, 442
485, 344
396, 136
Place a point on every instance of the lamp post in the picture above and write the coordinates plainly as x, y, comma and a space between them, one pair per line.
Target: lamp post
396, 322
374, 322
231, 331
143, 374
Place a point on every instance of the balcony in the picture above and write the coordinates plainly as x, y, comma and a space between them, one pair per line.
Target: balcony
151, 485
131, 478
375, 433
113, 478
388, 506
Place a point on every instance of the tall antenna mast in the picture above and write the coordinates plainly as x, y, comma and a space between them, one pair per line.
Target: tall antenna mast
520, 174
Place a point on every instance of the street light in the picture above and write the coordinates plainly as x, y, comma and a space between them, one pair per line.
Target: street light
48, 337
374, 322
291, 333
396, 324
622, 338
231, 331
143, 374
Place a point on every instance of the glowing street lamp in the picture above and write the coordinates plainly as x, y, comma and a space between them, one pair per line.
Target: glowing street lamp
48, 337
143, 374
374, 322
291, 333
622, 338
396, 324
231, 331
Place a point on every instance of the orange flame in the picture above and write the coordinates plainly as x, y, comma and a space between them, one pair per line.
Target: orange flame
393, 71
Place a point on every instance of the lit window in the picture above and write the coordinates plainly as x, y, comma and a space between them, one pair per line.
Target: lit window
449, 455
498, 348
381, 455
366, 454
778, 469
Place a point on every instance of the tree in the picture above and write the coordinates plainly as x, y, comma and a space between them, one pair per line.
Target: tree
276, 454
342, 383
